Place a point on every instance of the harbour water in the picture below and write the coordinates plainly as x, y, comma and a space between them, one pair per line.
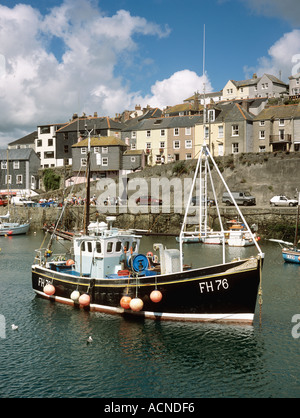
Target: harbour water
48, 356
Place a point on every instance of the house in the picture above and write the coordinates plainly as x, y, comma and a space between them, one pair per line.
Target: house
265, 86
75, 131
210, 98
294, 84
45, 145
166, 139
19, 170
277, 128
27, 141
109, 156
228, 129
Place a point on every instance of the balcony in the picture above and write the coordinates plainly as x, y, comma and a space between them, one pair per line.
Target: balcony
284, 138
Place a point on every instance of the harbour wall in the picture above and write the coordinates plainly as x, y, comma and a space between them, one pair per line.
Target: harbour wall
271, 222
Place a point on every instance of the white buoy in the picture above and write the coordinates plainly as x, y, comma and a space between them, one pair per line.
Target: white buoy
89, 340
14, 327
75, 295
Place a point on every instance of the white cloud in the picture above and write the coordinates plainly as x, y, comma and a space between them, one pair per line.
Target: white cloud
37, 86
178, 87
283, 57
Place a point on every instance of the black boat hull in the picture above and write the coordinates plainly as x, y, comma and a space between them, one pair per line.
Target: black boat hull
224, 293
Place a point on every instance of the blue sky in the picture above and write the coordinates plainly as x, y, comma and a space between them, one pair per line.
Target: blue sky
59, 57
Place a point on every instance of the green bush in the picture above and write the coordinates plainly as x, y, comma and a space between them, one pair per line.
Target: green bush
51, 180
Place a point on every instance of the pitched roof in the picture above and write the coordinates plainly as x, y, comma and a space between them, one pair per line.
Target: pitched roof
102, 141
28, 139
16, 154
279, 112
90, 123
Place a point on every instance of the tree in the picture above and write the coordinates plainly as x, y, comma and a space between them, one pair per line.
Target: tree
51, 180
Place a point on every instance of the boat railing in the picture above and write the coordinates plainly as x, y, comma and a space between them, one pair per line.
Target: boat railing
44, 254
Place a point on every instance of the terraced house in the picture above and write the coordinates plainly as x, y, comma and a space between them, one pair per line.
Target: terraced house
277, 128
167, 139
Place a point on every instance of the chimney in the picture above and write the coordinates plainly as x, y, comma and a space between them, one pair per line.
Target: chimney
254, 76
95, 114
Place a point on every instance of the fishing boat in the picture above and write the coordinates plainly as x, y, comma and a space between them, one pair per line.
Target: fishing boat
12, 228
106, 272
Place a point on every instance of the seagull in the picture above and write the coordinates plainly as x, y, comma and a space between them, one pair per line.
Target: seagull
14, 327
89, 340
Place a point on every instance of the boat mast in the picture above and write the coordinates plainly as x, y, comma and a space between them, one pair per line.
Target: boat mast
88, 186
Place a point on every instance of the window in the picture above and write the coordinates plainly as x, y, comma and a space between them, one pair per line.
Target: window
133, 134
281, 122
65, 136
83, 150
109, 247
3, 165
98, 247
235, 130
211, 115
89, 247
19, 179
235, 148
148, 145
105, 150
188, 131
220, 131
162, 144
262, 135
50, 142
16, 165
206, 132
39, 143
262, 148
118, 246
83, 162
66, 149
133, 146
188, 143
176, 131
45, 130
105, 161
49, 154
176, 144
9, 179
188, 156
148, 134
262, 123
96, 150
132, 159
281, 134
158, 159
162, 132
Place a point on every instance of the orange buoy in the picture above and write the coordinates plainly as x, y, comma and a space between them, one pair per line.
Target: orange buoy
49, 289
70, 262
84, 300
136, 304
125, 302
156, 296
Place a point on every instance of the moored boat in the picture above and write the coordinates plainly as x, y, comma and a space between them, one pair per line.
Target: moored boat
12, 228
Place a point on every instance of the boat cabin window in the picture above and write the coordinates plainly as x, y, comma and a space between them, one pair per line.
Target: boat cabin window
134, 245
89, 247
126, 245
109, 246
118, 246
98, 247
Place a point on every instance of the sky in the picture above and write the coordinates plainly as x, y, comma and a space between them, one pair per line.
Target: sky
61, 57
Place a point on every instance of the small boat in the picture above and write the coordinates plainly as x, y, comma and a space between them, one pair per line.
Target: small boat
290, 250
12, 228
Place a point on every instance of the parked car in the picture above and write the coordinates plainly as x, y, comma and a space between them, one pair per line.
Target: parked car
196, 201
283, 201
21, 201
148, 200
241, 198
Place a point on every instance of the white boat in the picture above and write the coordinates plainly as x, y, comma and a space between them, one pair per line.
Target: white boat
12, 228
